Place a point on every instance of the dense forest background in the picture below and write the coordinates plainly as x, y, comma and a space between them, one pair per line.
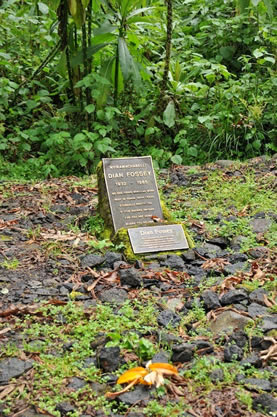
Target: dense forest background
186, 81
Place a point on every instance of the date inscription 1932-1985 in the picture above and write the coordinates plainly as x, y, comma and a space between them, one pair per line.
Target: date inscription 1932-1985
132, 191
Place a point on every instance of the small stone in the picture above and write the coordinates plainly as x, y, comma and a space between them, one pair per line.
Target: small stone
232, 269
111, 258
183, 352
160, 357
269, 323
188, 256
240, 307
91, 361
252, 360
168, 318
76, 383
114, 295
130, 277
240, 338
197, 272
260, 225
222, 242
119, 264
92, 260
139, 396
98, 388
217, 375
256, 342
168, 338
233, 352
209, 250
109, 358
233, 296
224, 163
237, 242
257, 384
138, 265
175, 262
258, 252
265, 402
258, 296
229, 321
65, 408
237, 257
174, 304
211, 300
203, 347
12, 368
256, 310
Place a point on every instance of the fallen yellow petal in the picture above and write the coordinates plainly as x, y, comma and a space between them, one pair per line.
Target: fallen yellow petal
132, 374
164, 368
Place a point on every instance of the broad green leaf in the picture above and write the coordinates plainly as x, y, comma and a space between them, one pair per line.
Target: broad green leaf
140, 19
43, 8
61, 65
101, 38
78, 58
125, 59
227, 52
203, 119
176, 159
192, 151
87, 146
178, 70
255, 2
258, 53
169, 114
90, 108
243, 5
269, 59
107, 27
126, 6
4, 55
54, 4
138, 11
256, 144
269, 8
129, 67
136, 75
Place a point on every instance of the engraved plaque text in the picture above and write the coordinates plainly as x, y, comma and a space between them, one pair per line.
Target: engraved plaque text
158, 238
132, 191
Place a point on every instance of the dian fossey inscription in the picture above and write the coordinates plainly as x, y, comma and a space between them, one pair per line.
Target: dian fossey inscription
132, 191
158, 238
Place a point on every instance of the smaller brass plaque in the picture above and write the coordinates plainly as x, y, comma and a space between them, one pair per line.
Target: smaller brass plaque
158, 238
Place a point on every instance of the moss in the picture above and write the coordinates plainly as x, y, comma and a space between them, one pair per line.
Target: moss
103, 203
122, 236
5, 238
166, 213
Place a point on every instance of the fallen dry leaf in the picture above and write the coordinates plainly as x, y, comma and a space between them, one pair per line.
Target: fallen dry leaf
216, 264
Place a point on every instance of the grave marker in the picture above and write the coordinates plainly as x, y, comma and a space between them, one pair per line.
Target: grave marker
132, 191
